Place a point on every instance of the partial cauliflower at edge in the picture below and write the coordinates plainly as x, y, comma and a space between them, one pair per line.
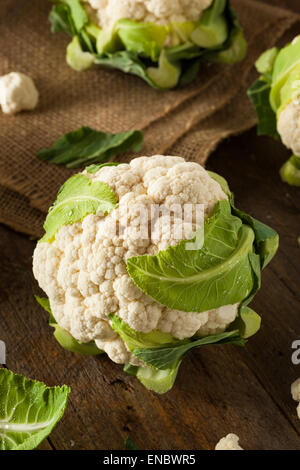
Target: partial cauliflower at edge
230, 442
295, 391
83, 272
107, 12
288, 126
17, 93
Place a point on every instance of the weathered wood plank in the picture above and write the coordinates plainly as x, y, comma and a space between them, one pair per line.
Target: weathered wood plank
251, 166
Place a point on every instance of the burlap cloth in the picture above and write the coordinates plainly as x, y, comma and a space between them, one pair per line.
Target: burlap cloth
189, 122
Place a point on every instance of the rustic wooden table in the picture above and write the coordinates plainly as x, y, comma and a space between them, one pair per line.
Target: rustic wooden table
218, 390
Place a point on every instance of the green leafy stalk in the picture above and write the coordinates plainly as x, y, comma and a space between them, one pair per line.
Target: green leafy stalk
140, 48
86, 146
158, 381
162, 354
165, 357
61, 20
290, 171
146, 39
29, 410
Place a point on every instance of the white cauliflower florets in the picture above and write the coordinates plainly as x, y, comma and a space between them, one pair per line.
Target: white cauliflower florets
17, 93
107, 12
288, 126
83, 271
295, 390
230, 442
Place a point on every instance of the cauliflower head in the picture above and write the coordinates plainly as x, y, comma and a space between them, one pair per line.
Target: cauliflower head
83, 271
17, 93
107, 12
230, 442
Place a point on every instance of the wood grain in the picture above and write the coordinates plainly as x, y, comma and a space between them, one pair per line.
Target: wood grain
218, 390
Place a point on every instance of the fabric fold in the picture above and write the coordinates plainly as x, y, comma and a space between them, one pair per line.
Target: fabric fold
190, 121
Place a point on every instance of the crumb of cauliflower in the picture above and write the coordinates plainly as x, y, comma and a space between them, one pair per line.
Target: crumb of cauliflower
295, 391
107, 12
288, 126
230, 442
83, 272
17, 93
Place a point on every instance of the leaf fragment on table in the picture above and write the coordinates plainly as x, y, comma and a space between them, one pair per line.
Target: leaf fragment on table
85, 146
29, 410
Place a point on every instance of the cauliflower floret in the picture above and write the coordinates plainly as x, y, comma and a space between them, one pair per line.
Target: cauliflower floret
17, 93
230, 442
107, 12
84, 273
288, 126
218, 320
295, 390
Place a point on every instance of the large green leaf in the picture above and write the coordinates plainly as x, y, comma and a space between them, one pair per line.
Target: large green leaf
259, 94
86, 146
78, 197
29, 410
220, 273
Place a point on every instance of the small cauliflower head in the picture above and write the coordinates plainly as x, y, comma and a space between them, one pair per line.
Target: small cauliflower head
107, 12
83, 270
288, 126
230, 442
17, 93
295, 391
